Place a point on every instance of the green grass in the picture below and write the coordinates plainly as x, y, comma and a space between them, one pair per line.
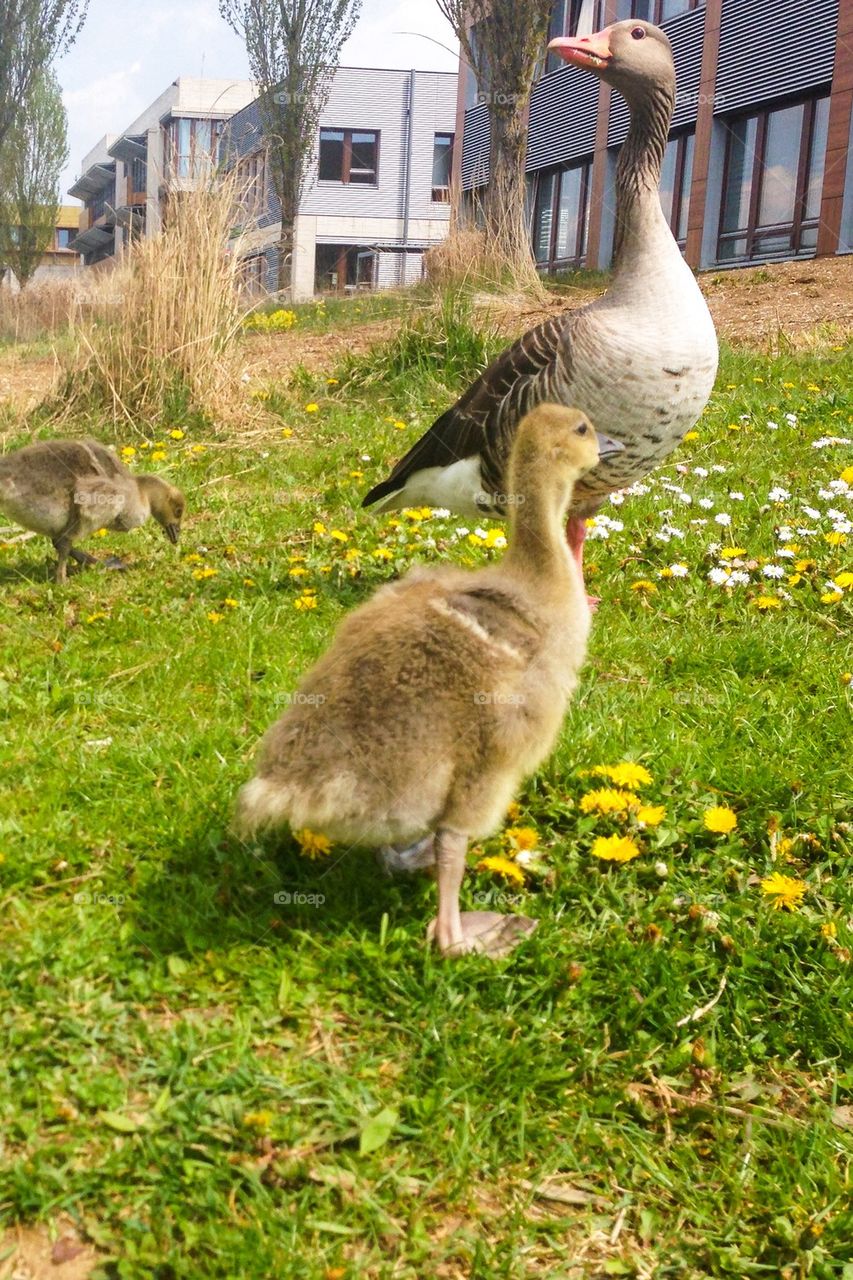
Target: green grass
194, 1070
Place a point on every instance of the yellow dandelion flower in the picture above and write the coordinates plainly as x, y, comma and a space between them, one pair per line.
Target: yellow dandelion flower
812, 387
193, 558
207, 572
608, 801
100, 533
720, 819
847, 475
382, 553
691, 435
734, 426
128, 451
474, 540
803, 566
158, 455
835, 539
305, 602
297, 572
176, 434
502, 867
400, 426
786, 892
96, 617
312, 844
831, 597
352, 554
627, 774
523, 837
847, 677
665, 573
231, 602
339, 535
332, 382
213, 616
248, 582
258, 1119
319, 527
513, 813
651, 815
287, 432
356, 475
794, 579
844, 579
829, 930
766, 603
644, 586
732, 553
312, 408
615, 849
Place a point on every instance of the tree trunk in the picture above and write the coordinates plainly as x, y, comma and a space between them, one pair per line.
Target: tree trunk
505, 199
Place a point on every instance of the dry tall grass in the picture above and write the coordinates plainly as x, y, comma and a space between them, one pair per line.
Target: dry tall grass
163, 341
473, 256
45, 309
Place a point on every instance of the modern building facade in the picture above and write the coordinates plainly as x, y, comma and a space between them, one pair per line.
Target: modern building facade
377, 193
126, 177
759, 165
59, 260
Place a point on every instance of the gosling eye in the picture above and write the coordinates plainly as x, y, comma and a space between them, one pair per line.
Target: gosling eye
638, 33
582, 429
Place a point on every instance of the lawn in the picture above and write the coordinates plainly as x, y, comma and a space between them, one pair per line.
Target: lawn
224, 1060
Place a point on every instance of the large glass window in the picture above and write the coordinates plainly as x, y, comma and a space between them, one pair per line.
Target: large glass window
561, 218
349, 156
676, 180
193, 146
657, 11
570, 18
774, 181
442, 166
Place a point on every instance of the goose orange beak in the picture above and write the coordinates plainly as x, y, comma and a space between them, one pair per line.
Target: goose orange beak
590, 52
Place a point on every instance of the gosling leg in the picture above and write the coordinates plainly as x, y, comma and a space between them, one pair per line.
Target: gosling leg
82, 557
62, 547
456, 932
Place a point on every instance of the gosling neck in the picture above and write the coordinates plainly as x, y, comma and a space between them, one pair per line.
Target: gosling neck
537, 539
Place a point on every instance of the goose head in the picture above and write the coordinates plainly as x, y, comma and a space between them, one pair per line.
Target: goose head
554, 447
166, 504
634, 57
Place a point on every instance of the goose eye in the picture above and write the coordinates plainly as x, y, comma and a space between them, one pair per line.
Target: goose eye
638, 33
583, 429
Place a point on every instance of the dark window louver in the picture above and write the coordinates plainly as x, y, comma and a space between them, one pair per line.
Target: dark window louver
476, 141
563, 111
772, 52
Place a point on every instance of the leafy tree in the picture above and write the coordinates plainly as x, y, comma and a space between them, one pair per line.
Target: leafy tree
35, 155
32, 33
293, 48
503, 42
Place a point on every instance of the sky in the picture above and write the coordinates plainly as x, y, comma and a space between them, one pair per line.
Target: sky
127, 54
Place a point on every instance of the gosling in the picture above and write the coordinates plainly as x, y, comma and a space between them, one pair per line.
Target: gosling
65, 489
442, 692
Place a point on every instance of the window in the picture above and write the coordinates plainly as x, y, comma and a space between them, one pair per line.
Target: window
64, 236
561, 218
349, 155
138, 174
252, 184
656, 11
569, 18
341, 268
773, 182
253, 274
193, 146
675, 183
442, 167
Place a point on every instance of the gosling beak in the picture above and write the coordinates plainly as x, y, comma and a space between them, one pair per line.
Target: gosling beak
607, 446
593, 53
173, 533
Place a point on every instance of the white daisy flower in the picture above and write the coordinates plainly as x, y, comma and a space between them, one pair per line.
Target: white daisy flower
784, 534
719, 577
440, 513
723, 518
462, 532
785, 555
699, 471
812, 513
706, 503
773, 571
719, 468
736, 496
773, 426
791, 419
617, 499
739, 578
778, 495
679, 570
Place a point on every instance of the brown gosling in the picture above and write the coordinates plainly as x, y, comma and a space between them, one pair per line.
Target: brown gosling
66, 489
442, 692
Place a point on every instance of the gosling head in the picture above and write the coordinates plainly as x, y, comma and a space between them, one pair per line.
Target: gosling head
166, 504
554, 447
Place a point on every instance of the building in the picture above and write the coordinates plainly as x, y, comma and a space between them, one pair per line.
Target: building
759, 165
378, 189
125, 178
59, 260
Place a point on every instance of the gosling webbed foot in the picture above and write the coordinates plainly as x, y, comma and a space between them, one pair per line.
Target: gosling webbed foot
486, 933
82, 557
113, 562
419, 856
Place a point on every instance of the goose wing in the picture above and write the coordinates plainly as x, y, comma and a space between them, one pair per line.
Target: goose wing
483, 420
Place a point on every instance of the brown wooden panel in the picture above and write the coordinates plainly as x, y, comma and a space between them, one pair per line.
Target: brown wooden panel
704, 132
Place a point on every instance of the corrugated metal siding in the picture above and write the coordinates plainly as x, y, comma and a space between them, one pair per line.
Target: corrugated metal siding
563, 111
687, 35
476, 141
774, 51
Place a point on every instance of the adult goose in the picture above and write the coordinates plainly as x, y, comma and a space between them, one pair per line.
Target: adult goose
65, 489
478, 668
641, 360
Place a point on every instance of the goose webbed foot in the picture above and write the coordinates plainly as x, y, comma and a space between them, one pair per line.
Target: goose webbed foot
419, 856
486, 933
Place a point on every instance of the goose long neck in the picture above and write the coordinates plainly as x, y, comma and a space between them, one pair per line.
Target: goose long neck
638, 173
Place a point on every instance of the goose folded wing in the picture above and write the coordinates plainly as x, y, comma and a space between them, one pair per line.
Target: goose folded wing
483, 420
